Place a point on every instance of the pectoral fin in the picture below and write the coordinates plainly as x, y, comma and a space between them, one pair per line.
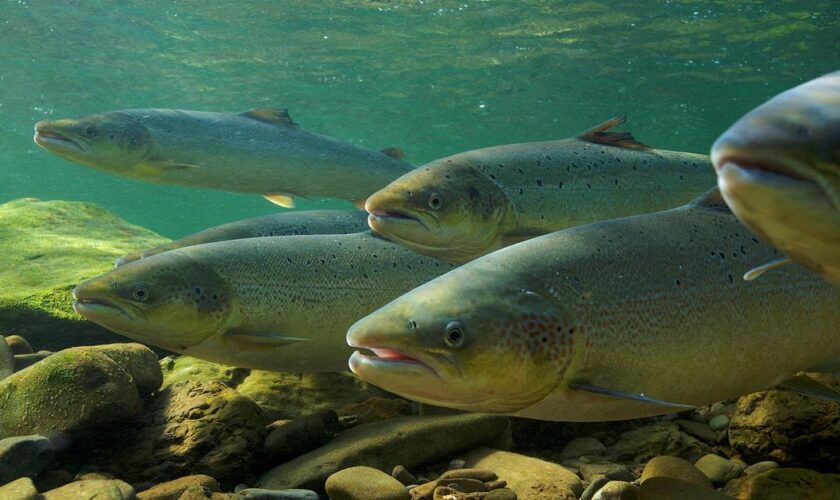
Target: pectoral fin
255, 340
395, 153
807, 386
773, 264
627, 395
284, 200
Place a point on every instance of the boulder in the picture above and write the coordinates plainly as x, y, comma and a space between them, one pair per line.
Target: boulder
293, 438
662, 438
172, 490
19, 489
530, 478
718, 469
364, 483
675, 468
785, 484
24, 456
617, 490
46, 249
138, 360
408, 441
668, 488
68, 391
99, 489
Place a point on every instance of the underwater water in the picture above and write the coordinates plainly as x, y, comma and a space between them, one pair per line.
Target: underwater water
431, 77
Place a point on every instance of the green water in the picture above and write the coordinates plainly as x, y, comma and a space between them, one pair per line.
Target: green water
431, 77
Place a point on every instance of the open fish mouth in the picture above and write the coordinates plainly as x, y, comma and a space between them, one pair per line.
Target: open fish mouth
761, 165
379, 218
92, 308
50, 139
388, 358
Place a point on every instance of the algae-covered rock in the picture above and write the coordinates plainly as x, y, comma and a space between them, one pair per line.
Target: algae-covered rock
172, 490
7, 359
68, 391
785, 484
357, 483
19, 489
138, 360
407, 441
46, 249
531, 478
292, 438
24, 456
99, 489
662, 438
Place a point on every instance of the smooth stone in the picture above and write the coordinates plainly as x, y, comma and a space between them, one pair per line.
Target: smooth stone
26, 360
92, 476
785, 484
196, 492
402, 475
19, 489
19, 345
617, 490
594, 486
662, 438
410, 441
500, 494
668, 488
530, 478
464, 485
674, 468
172, 490
482, 475
760, 467
495, 485
364, 483
138, 360
579, 447
302, 435
24, 456
610, 470
68, 391
456, 463
261, 494
456, 483
699, 430
718, 469
7, 359
719, 423
112, 489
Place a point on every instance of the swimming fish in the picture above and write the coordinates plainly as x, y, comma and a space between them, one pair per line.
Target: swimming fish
620, 319
778, 168
279, 224
257, 151
273, 303
469, 204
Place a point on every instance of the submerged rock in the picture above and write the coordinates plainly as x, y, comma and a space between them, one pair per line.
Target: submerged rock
68, 391
661, 438
409, 441
364, 483
98, 489
7, 359
579, 447
668, 488
786, 484
138, 360
295, 437
718, 469
675, 468
530, 478
26, 360
617, 490
24, 456
19, 489
19, 345
46, 248
260, 494
172, 490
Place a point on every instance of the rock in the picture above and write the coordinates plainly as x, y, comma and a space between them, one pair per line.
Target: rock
19, 489
697, 429
675, 468
67, 391
402, 475
24, 456
259, 494
579, 447
52, 479
667, 488
196, 492
760, 467
364, 483
617, 472
25, 360
530, 478
594, 486
113, 489
455, 464
500, 494
91, 476
494, 485
377, 408
787, 428
718, 469
483, 475
46, 248
302, 435
188, 428
785, 484
172, 490
138, 360
18, 345
7, 359
410, 441
719, 422
662, 438
617, 490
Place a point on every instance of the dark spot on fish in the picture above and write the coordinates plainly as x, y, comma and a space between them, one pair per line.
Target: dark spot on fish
730, 278
33, 257
560, 185
539, 182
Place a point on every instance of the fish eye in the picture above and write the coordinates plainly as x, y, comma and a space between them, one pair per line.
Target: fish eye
140, 292
454, 334
135, 140
435, 201
90, 132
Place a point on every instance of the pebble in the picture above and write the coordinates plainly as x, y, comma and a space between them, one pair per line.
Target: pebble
7, 359
610, 470
617, 490
495, 485
171, 490
456, 463
760, 467
593, 488
463, 485
364, 483
19, 489
699, 430
482, 475
674, 468
500, 494
113, 489
24, 456
579, 447
25, 360
19, 345
402, 475
261, 494
718, 469
719, 422
717, 407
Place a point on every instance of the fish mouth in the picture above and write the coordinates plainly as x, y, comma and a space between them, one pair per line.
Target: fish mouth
93, 307
379, 218
387, 358
51, 139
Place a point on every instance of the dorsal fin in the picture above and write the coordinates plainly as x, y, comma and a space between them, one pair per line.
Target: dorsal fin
711, 200
599, 135
274, 116
395, 153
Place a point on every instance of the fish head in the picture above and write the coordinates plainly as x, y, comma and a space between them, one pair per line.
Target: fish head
115, 142
446, 209
168, 300
472, 348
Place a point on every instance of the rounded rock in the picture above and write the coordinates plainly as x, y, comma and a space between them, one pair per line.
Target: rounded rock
7, 359
24, 456
364, 483
593, 488
261, 494
719, 423
760, 467
402, 475
112, 489
19, 489
500, 494
674, 468
579, 447
172, 490
19, 345
718, 469
617, 490
482, 475
456, 463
